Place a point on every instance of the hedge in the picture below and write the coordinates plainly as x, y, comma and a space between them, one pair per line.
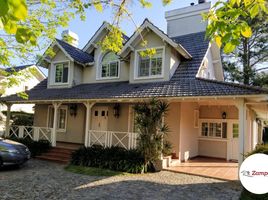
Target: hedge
113, 158
36, 147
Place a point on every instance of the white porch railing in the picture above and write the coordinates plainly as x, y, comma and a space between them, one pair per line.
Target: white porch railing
32, 132
126, 140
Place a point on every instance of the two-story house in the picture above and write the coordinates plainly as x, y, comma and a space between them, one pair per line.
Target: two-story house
89, 94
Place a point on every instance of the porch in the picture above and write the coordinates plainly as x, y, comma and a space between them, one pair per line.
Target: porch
208, 167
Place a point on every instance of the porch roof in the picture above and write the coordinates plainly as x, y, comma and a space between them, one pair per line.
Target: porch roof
182, 84
176, 88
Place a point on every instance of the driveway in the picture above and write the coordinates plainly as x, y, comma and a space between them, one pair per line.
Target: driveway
46, 180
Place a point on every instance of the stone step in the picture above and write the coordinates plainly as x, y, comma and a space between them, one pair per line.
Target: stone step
53, 159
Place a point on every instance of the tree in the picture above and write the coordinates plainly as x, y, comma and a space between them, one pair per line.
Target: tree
151, 129
243, 64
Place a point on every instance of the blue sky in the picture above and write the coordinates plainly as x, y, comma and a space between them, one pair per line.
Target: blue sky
94, 19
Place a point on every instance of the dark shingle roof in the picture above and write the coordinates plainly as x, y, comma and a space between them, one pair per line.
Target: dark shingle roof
182, 84
77, 54
17, 68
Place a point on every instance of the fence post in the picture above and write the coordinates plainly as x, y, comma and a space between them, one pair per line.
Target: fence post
21, 131
35, 133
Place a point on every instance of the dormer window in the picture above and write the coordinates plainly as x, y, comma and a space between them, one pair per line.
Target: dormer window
150, 67
61, 72
109, 66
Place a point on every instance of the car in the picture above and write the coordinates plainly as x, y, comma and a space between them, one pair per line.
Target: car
13, 153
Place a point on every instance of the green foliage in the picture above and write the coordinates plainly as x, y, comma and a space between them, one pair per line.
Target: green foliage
36, 147
113, 158
21, 118
229, 21
167, 148
151, 129
249, 57
246, 195
91, 171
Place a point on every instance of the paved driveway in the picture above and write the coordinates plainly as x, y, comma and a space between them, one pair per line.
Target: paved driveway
45, 180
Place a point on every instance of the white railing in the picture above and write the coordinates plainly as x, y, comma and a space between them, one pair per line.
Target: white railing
32, 132
126, 140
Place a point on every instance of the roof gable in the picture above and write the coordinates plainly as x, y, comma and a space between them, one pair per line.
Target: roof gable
147, 24
91, 44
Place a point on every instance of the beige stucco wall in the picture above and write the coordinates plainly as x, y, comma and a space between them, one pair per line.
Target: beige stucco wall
75, 128
173, 121
215, 112
217, 149
188, 134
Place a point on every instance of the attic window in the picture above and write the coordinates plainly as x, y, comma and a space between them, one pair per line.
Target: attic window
110, 66
150, 66
61, 72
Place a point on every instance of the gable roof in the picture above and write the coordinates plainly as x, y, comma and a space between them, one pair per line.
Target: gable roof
105, 25
147, 24
75, 54
182, 84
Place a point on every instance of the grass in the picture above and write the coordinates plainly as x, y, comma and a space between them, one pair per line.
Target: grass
91, 171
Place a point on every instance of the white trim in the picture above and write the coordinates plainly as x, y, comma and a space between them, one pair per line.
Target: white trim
63, 50
99, 68
52, 73
63, 107
213, 139
148, 24
136, 65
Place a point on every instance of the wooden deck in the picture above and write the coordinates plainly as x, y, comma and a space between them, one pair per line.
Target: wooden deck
208, 167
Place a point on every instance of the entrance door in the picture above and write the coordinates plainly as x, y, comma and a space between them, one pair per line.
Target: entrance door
234, 141
99, 125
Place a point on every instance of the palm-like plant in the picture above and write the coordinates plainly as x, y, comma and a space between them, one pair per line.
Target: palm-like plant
151, 128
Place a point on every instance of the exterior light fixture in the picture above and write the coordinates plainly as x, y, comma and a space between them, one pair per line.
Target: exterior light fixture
224, 115
73, 109
116, 110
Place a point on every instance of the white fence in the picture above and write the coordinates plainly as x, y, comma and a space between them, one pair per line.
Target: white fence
32, 132
126, 140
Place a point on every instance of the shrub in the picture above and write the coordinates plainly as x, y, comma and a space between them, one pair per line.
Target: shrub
21, 118
246, 195
36, 147
113, 158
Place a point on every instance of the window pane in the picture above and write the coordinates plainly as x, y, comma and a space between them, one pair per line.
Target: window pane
215, 129
58, 73
218, 129
105, 70
235, 131
65, 73
62, 118
144, 66
50, 117
204, 129
224, 130
156, 66
113, 69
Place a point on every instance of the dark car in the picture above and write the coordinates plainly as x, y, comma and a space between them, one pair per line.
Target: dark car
12, 152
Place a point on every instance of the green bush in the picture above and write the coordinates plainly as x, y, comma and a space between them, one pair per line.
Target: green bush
246, 195
113, 158
36, 147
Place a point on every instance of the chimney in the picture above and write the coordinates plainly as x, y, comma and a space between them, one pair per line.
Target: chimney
70, 37
187, 20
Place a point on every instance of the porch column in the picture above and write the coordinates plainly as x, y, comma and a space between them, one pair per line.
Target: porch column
8, 120
242, 129
88, 122
55, 120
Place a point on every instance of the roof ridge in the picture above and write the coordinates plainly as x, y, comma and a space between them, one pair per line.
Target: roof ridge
72, 46
258, 88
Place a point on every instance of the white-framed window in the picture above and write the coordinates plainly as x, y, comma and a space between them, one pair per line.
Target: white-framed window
109, 66
61, 118
150, 67
213, 129
61, 72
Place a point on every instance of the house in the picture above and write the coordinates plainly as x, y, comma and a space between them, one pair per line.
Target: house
28, 76
89, 94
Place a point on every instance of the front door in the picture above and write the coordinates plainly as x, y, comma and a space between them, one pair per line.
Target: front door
234, 141
99, 125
